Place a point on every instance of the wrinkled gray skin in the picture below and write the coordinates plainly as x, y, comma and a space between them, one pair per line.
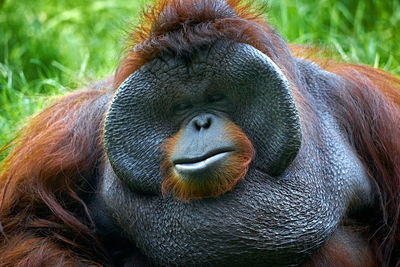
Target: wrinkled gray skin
304, 178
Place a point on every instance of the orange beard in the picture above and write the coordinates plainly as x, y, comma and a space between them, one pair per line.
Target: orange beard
219, 181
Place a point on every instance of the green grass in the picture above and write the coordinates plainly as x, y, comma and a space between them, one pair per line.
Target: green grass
365, 32
50, 47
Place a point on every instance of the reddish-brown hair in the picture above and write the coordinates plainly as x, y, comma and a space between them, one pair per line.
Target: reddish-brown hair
221, 181
371, 112
182, 27
43, 181
44, 221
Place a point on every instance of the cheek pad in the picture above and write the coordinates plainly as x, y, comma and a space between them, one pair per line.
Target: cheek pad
134, 134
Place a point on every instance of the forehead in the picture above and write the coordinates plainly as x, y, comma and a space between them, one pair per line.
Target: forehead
226, 63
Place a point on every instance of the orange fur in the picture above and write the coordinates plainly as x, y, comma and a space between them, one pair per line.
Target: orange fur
222, 180
176, 25
370, 111
347, 247
39, 185
44, 221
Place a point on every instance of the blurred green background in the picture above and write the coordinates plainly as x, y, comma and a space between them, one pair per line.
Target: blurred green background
49, 47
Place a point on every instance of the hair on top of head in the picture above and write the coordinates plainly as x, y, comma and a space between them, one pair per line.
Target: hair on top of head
183, 27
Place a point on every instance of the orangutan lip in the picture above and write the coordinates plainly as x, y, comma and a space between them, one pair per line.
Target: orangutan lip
203, 163
204, 157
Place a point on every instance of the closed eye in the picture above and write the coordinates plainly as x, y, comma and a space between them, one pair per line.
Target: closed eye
216, 98
182, 107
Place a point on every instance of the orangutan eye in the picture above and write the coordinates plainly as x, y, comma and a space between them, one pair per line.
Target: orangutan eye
182, 107
216, 98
